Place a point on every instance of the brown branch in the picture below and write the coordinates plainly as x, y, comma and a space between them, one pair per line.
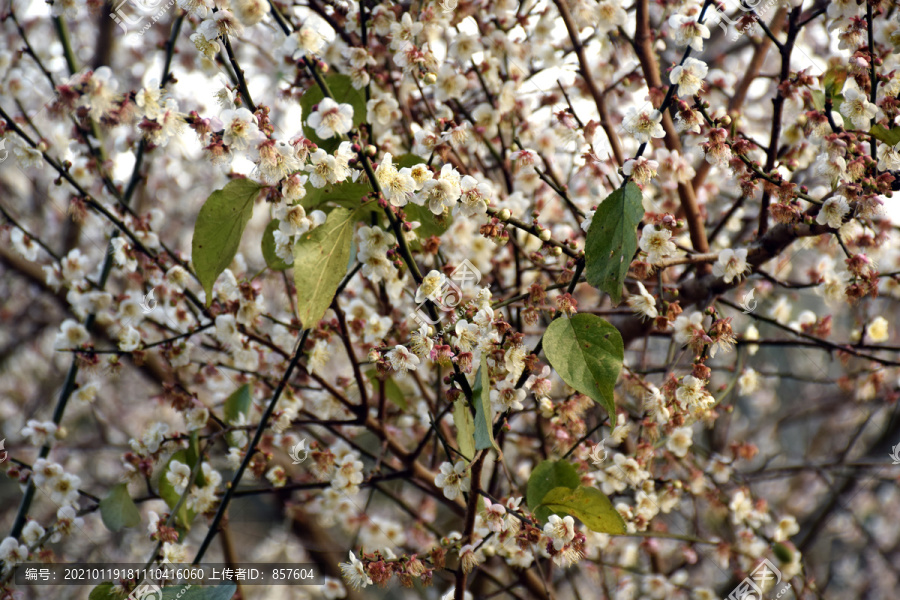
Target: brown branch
643, 46
585, 69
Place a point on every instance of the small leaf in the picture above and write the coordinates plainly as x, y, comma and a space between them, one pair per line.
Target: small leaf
343, 92
587, 504
430, 224
587, 352
118, 511
465, 428
408, 160
347, 194
219, 592
218, 230
273, 261
546, 476
890, 137
320, 263
484, 412
104, 591
392, 391
238, 404
612, 240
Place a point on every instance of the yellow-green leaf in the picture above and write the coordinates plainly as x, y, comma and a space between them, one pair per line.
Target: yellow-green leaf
465, 428
549, 475
588, 505
320, 263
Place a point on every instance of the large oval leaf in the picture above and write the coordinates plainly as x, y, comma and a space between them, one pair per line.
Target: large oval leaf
218, 230
588, 505
587, 352
320, 262
612, 240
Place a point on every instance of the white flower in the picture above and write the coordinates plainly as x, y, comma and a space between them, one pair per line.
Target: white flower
129, 339
24, 245
833, 211
250, 12
442, 192
306, 39
453, 479
174, 553
644, 124
39, 432
689, 76
686, 31
877, 330
889, 157
355, 573
656, 243
679, 442
32, 533
643, 303
396, 185
330, 119
13, 553
431, 287
857, 108
731, 264
64, 489
240, 130
787, 526
72, 334
178, 476
560, 530
402, 360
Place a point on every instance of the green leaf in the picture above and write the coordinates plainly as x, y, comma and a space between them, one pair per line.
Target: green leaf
546, 476
118, 511
465, 428
320, 263
833, 80
104, 591
890, 137
268, 248
431, 224
219, 592
587, 504
184, 517
484, 412
392, 391
587, 352
612, 240
218, 230
408, 160
238, 404
343, 92
347, 194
